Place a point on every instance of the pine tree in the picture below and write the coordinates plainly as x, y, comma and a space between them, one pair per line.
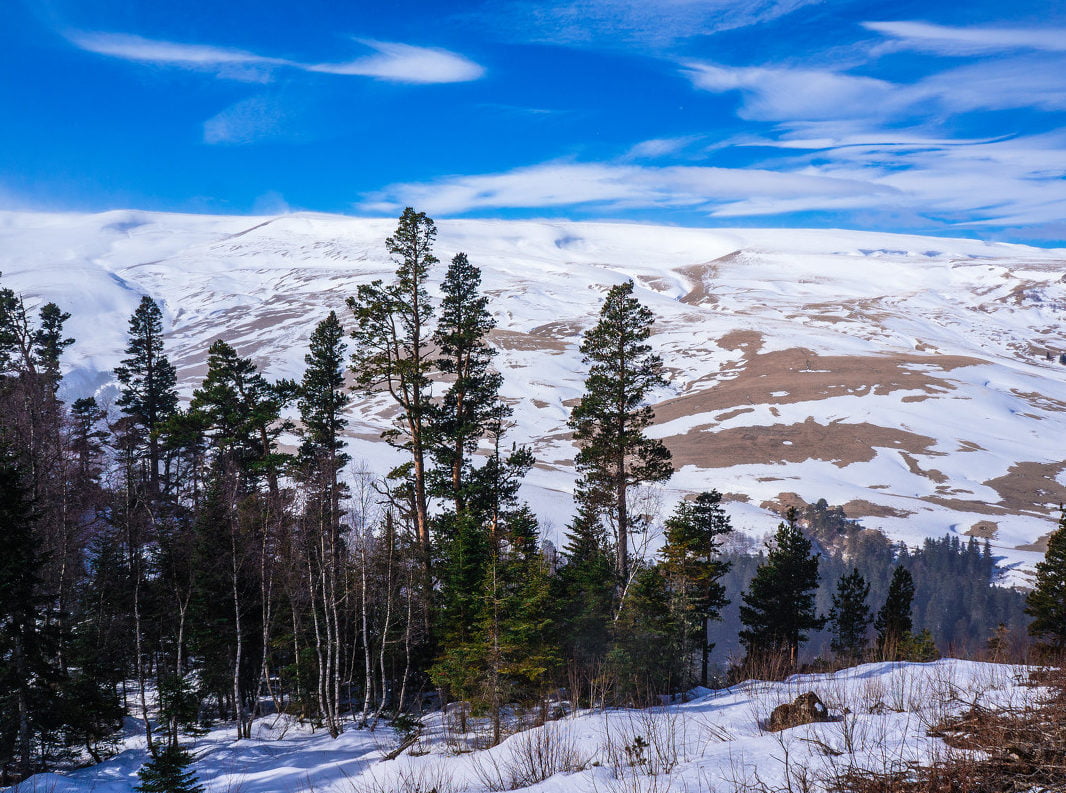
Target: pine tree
1046, 603
893, 622
778, 608
850, 616
49, 343
694, 571
610, 419
242, 413
471, 401
392, 353
168, 772
149, 382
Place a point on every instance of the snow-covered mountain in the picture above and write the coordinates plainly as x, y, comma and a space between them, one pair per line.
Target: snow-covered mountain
905, 377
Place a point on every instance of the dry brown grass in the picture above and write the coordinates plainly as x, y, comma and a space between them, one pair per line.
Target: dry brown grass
990, 750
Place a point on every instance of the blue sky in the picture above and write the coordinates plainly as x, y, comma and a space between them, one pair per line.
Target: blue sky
933, 117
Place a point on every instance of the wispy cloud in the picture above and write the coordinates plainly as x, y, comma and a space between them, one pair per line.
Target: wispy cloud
407, 64
616, 186
392, 61
621, 22
772, 93
944, 40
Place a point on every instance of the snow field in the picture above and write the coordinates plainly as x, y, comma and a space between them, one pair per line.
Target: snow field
713, 743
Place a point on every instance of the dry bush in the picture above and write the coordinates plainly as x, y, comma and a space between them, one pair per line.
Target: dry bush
428, 777
1001, 749
530, 757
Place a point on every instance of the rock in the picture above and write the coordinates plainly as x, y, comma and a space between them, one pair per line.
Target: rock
807, 709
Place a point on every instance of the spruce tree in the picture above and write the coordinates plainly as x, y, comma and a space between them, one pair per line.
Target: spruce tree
168, 772
393, 354
149, 393
694, 571
646, 657
28, 675
893, 622
471, 401
612, 415
778, 607
49, 343
583, 596
1046, 603
850, 616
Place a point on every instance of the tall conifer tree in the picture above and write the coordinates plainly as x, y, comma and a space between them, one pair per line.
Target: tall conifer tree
778, 607
893, 621
149, 393
612, 415
850, 616
694, 571
393, 353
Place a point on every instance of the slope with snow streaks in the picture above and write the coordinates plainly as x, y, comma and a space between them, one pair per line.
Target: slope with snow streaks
902, 375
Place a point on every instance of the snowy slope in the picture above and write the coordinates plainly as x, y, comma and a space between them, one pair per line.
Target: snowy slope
903, 376
715, 742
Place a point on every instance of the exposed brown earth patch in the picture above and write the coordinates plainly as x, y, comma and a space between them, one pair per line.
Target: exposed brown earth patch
782, 501
1030, 487
861, 508
912, 465
800, 375
838, 443
983, 529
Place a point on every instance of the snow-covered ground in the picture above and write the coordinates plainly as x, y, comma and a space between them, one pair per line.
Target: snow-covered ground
905, 377
714, 743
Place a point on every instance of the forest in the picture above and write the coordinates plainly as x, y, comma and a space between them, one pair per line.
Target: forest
213, 559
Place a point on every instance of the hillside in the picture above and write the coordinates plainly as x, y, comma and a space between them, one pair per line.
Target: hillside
905, 377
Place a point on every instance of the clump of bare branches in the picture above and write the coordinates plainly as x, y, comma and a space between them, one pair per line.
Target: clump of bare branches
1019, 747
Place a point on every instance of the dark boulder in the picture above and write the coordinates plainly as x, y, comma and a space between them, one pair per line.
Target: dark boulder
807, 709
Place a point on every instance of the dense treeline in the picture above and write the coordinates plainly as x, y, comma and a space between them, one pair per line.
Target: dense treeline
179, 562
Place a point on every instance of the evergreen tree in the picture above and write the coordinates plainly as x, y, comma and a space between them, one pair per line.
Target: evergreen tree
393, 354
646, 658
28, 675
583, 596
850, 616
610, 419
1046, 603
694, 571
323, 398
49, 343
778, 607
471, 403
242, 414
149, 383
893, 622
168, 772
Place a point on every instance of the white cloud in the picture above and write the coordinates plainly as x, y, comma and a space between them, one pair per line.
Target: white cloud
621, 22
611, 185
804, 95
137, 48
659, 147
773, 94
944, 40
407, 64
394, 62
998, 182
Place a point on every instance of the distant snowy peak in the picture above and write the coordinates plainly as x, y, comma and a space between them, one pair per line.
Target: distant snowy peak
914, 379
